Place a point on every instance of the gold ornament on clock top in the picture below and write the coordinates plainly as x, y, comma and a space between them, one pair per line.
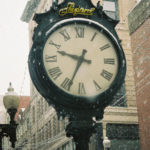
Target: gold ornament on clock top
80, 60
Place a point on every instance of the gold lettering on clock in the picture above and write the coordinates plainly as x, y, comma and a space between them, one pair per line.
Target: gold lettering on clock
70, 9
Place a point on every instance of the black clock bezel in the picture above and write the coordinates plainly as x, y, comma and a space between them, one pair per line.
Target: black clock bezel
59, 97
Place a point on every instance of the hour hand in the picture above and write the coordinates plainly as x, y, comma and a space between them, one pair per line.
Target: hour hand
70, 55
63, 53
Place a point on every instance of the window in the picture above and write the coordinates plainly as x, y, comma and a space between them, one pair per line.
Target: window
42, 134
111, 8
33, 114
54, 126
50, 129
41, 106
33, 142
46, 105
38, 108
39, 135
46, 131
66, 146
28, 123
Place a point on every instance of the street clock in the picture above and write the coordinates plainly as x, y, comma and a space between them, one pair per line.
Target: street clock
76, 61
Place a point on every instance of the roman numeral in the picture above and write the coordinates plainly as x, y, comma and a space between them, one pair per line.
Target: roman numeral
97, 87
54, 44
93, 37
79, 32
51, 58
55, 72
66, 84
110, 61
65, 34
104, 47
81, 89
107, 75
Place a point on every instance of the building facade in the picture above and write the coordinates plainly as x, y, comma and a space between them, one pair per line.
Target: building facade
46, 131
139, 23
39, 127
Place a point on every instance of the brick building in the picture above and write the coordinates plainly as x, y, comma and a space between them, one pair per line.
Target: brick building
139, 23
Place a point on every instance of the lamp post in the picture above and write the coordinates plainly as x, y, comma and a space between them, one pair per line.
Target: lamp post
106, 143
11, 103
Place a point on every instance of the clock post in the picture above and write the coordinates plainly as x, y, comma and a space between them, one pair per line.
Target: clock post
77, 64
81, 130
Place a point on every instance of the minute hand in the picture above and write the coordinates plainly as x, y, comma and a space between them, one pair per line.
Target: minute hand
80, 60
74, 56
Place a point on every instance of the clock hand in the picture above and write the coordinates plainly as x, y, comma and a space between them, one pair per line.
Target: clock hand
74, 56
80, 61
70, 55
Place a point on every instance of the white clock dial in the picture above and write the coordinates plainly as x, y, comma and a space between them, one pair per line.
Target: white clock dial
80, 59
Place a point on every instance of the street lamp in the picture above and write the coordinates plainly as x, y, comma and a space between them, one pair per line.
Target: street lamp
11, 103
106, 143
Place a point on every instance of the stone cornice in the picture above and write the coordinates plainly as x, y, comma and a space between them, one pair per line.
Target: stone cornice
125, 115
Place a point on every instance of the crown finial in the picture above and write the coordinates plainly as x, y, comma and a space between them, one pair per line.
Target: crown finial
10, 87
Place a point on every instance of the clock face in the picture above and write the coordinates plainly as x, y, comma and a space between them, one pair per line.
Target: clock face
80, 59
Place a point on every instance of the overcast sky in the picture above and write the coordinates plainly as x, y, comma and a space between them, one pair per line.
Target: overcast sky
14, 47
